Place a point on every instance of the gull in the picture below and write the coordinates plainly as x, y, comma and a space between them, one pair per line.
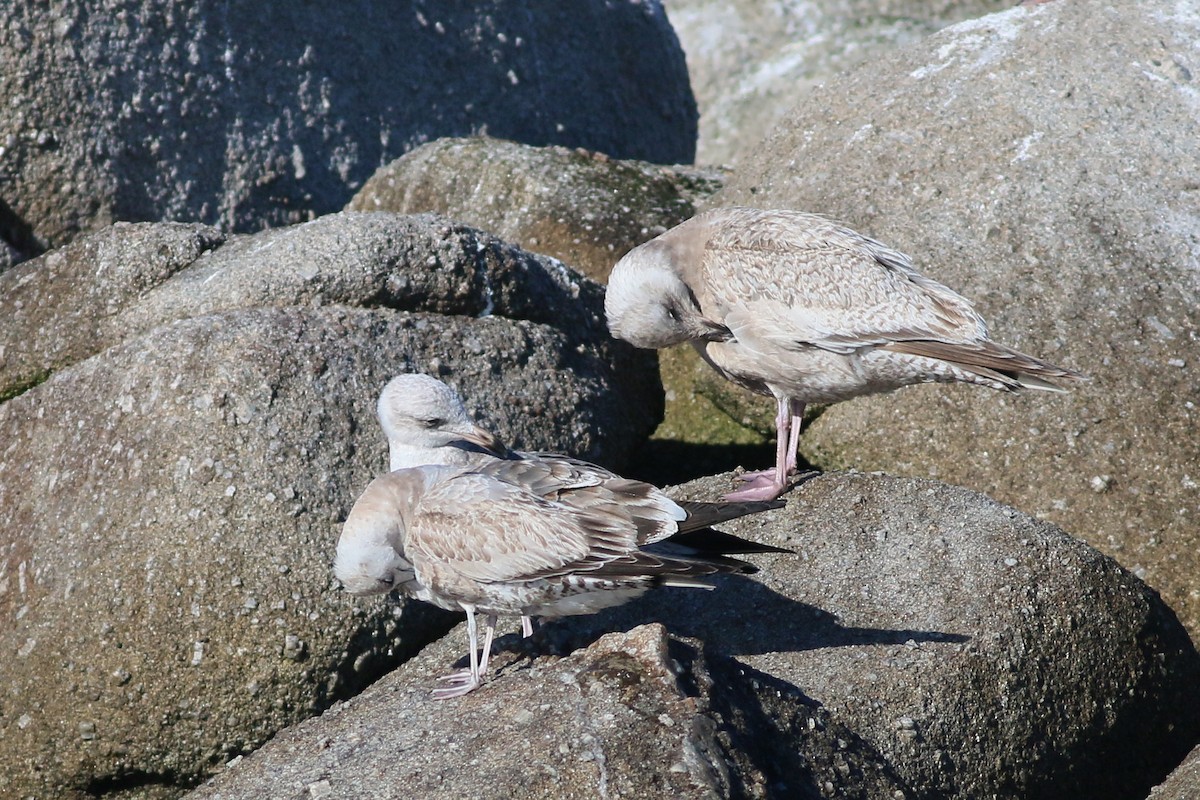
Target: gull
794, 306
426, 423
491, 539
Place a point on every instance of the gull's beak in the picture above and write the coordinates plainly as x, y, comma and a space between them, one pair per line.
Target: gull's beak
486, 440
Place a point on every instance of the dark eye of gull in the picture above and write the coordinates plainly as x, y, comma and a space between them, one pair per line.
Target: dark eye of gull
432, 423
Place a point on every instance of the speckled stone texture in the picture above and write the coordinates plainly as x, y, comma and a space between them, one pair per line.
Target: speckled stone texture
218, 112
172, 483
1041, 161
611, 720
127, 279
923, 641
1183, 783
752, 60
583, 208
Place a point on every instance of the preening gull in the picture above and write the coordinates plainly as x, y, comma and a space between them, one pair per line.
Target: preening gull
792, 305
492, 539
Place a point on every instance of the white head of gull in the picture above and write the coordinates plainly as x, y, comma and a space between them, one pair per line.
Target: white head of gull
425, 423
794, 306
486, 539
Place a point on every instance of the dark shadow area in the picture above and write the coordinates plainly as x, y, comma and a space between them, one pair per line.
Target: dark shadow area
761, 719
18, 233
667, 462
134, 782
739, 617
380, 645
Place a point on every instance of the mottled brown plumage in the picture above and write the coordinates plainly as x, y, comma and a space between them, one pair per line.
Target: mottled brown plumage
426, 423
492, 538
794, 306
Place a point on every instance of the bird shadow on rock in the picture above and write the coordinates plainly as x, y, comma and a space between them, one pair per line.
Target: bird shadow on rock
669, 462
739, 617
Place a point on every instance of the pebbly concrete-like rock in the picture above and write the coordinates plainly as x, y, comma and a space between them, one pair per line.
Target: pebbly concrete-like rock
1183, 783
583, 208
72, 303
923, 641
59, 309
633, 732
173, 471
750, 61
169, 511
219, 113
1040, 161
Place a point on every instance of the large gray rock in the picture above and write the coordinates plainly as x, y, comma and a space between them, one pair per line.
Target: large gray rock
1183, 783
170, 508
127, 279
1053, 181
217, 112
924, 640
752, 60
609, 721
582, 208
172, 480
60, 308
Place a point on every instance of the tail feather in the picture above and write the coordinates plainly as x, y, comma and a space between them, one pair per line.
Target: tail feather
703, 515
709, 541
1012, 369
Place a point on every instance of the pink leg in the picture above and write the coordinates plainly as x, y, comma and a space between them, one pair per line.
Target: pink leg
459, 683
526, 627
769, 485
489, 631
797, 410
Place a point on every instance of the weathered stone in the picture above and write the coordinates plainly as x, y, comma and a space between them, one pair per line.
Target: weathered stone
59, 309
750, 61
216, 112
583, 208
1183, 783
1042, 162
634, 732
923, 640
200, 417
169, 509
70, 304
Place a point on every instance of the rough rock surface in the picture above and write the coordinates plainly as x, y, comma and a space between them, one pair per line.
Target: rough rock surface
1183, 783
1042, 162
751, 60
170, 509
633, 732
169, 504
126, 280
60, 308
215, 112
923, 640
582, 208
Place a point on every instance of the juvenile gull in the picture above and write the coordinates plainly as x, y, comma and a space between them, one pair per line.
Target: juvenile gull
487, 539
426, 423
795, 306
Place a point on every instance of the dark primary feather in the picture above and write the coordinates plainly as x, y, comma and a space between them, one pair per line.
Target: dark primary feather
1013, 369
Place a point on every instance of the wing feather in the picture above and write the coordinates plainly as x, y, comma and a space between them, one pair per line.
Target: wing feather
486, 530
786, 278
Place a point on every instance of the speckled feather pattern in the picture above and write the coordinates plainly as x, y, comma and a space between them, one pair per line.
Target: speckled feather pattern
793, 305
466, 536
410, 402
